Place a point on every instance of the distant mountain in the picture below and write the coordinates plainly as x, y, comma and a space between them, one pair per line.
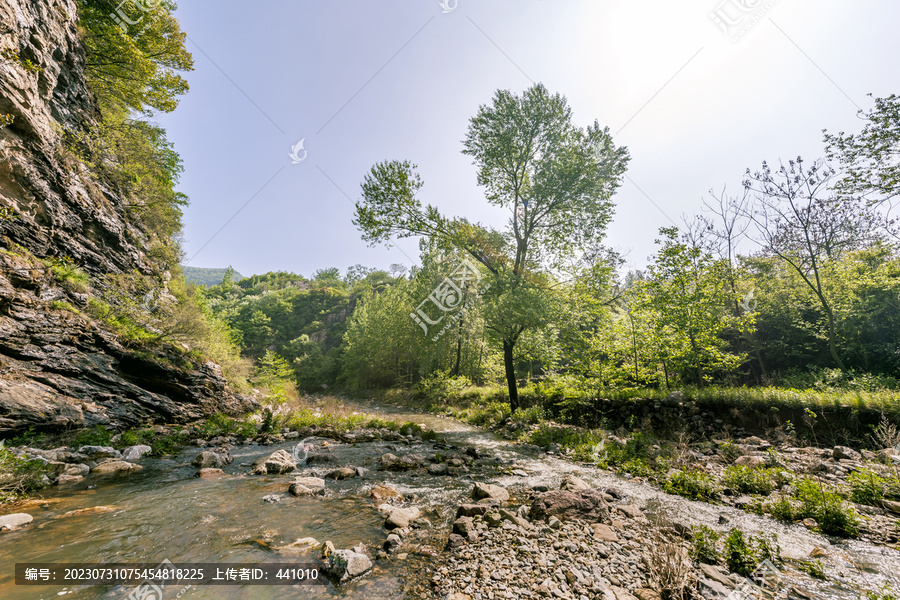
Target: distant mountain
204, 276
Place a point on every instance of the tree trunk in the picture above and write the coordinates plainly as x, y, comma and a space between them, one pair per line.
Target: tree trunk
832, 333
510, 374
459, 340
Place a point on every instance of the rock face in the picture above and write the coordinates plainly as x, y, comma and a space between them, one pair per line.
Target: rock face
59, 368
586, 504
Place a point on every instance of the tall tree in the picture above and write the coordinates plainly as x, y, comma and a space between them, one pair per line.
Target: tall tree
555, 179
802, 221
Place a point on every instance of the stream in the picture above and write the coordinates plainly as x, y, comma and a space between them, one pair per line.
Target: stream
164, 512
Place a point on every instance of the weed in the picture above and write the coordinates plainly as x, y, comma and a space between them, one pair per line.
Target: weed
827, 508
739, 555
703, 549
19, 477
813, 568
98, 435
867, 487
695, 485
750, 480
730, 452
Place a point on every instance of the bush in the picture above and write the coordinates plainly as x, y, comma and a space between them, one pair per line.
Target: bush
18, 476
867, 487
703, 549
729, 452
695, 485
739, 556
747, 480
531, 415
96, 436
827, 508
782, 509
579, 442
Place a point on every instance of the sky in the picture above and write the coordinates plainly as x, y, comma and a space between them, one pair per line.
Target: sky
698, 90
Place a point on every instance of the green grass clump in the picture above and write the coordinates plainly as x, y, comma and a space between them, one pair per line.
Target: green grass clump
753, 480
98, 435
729, 452
743, 555
222, 424
813, 568
695, 485
19, 477
868, 487
703, 546
579, 442
827, 508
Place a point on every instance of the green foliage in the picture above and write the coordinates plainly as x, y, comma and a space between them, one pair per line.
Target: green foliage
135, 70
209, 276
66, 272
98, 435
753, 480
222, 424
12, 56
580, 443
729, 451
885, 593
19, 477
827, 508
867, 487
739, 554
703, 546
694, 484
530, 416
813, 568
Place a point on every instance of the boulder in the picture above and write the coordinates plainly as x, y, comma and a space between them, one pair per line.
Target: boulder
392, 543
215, 459
321, 458
276, 463
311, 482
111, 465
14, 520
438, 469
346, 565
586, 504
209, 473
342, 473
604, 533
69, 479
487, 490
400, 518
471, 510
573, 484
390, 462
380, 493
135, 452
465, 527
98, 452
631, 511
845, 453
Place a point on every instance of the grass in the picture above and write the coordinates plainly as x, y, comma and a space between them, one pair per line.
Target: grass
693, 484
744, 555
703, 546
754, 480
827, 508
867, 487
19, 477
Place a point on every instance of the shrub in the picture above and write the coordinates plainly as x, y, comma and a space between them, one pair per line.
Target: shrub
96, 436
739, 556
867, 487
729, 451
782, 509
703, 549
813, 568
747, 480
695, 485
18, 476
531, 415
827, 508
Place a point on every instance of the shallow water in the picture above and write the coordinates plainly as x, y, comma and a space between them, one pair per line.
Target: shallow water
164, 512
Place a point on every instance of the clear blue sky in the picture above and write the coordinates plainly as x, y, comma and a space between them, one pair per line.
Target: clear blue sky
368, 81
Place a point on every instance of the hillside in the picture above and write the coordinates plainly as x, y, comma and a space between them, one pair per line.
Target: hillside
207, 275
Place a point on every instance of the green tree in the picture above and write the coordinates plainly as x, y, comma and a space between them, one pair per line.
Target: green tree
688, 292
555, 179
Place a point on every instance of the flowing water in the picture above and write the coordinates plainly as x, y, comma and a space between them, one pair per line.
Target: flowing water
164, 512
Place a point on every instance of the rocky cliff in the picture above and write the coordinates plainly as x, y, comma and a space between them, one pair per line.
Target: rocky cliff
58, 365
